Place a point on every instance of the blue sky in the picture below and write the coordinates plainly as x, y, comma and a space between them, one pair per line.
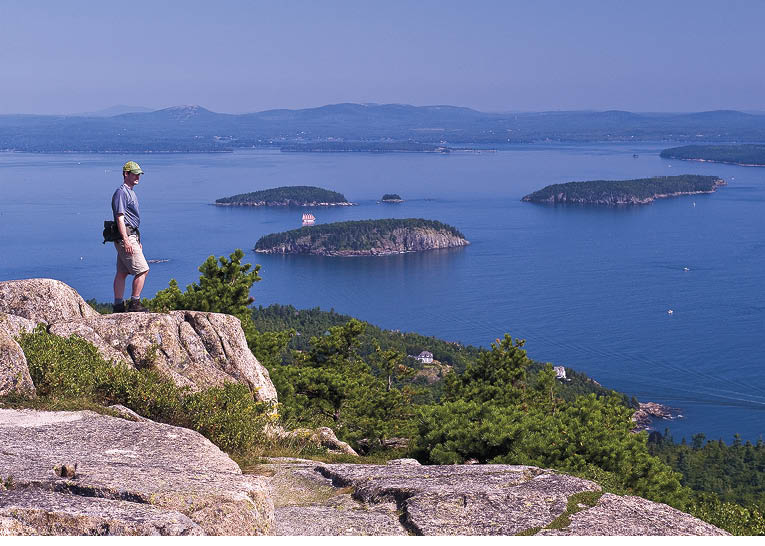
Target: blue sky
244, 56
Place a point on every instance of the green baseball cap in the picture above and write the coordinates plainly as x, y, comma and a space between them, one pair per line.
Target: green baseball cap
132, 167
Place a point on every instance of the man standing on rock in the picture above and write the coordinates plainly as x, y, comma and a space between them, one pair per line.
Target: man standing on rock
130, 260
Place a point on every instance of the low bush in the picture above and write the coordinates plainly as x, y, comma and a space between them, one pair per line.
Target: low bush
70, 371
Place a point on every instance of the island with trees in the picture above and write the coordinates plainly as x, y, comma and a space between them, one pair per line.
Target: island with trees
639, 191
363, 238
748, 155
392, 198
286, 196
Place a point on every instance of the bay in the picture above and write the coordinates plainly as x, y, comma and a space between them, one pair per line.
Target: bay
588, 288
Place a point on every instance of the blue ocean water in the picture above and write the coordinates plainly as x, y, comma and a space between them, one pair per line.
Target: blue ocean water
589, 288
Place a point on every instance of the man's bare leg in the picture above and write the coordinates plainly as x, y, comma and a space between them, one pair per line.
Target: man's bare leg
138, 281
119, 285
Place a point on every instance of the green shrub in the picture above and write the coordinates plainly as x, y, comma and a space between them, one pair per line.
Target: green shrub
228, 415
70, 372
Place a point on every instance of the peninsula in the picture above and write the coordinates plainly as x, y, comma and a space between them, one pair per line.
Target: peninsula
639, 191
363, 238
286, 196
748, 155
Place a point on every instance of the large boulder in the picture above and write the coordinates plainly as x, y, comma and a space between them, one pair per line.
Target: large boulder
43, 300
14, 372
319, 437
85, 473
194, 349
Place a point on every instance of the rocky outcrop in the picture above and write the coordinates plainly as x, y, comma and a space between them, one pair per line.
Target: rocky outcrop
14, 372
193, 348
130, 478
406, 498
648, 411
319, 437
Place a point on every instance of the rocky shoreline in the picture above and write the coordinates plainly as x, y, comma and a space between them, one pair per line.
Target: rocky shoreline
649, 411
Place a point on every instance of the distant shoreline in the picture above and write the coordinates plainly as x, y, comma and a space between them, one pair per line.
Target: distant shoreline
716, 161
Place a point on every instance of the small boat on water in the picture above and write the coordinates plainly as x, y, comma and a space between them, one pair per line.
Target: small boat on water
308, 219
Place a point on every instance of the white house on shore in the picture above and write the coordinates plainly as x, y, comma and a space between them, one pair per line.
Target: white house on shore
426, 357
560, 372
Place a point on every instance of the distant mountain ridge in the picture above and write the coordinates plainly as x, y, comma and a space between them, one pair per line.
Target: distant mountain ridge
195, 128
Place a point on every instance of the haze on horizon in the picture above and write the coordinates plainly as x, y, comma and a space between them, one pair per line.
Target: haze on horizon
240, 56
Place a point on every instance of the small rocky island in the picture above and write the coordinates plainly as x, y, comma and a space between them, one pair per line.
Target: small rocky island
639, 191
287, 196
391, 198
364, 238
747, 155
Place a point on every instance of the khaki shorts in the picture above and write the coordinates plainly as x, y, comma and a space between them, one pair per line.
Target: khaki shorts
132, 264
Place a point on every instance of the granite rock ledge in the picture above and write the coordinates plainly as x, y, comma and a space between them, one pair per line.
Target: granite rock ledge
409, 499
131, 478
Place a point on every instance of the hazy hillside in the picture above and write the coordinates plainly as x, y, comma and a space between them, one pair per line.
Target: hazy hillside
194, 128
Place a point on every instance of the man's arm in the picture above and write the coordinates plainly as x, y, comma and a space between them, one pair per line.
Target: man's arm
123, 233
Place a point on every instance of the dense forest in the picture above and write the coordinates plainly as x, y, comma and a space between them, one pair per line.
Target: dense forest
623, 192
355, 236
734, 473
739, 154
285, 195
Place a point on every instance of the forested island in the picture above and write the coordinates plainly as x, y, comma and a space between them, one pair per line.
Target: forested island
748, 155
638, 191
363, 238
286, 196
392, 198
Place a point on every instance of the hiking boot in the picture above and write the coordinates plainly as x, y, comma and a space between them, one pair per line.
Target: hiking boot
135, 307
118, 307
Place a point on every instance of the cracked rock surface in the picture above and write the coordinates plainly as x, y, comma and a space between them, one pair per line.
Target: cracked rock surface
395, 499
131, 478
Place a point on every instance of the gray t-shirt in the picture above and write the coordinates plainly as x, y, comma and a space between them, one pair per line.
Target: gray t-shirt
125, 201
